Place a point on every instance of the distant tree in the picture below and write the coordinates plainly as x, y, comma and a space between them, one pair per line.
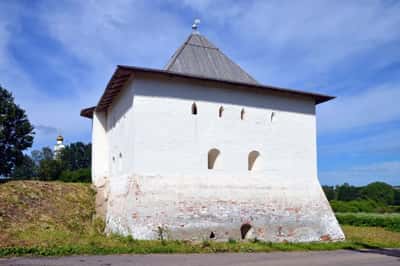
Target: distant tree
347, 192
27, 169
16, 133
76, 156
36, 156
44, 154
50, 169
80, 175
329, 192
47, 153
379, 192
396, 197
73, 164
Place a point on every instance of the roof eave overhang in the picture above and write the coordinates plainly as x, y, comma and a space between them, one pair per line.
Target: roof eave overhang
88, 112
123, 74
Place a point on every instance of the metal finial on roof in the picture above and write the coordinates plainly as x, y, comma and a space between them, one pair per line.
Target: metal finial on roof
195, 25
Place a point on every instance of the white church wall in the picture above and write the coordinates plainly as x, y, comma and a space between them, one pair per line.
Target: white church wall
159, 176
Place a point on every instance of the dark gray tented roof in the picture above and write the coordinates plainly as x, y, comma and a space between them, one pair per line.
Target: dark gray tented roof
197, 56
197, 60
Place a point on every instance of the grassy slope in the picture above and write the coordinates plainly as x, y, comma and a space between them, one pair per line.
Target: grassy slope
54, 218
33, 210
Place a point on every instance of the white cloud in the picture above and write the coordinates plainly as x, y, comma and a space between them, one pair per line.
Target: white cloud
46, 129
292, 42
42, 109
369, 107
9, 69
107, 33
98, 35
4, 37
384, 142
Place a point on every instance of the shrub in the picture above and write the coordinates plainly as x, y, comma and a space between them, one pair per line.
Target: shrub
358, 206
205, 243
231, 241
395, 208
80, 175
49, 169
388, 221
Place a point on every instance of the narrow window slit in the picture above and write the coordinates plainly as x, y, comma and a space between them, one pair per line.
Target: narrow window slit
221, 110
194, 109
272, 116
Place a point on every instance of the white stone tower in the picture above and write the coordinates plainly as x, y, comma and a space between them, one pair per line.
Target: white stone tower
204, 151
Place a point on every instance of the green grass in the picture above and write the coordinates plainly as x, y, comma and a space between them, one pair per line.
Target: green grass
389, 221
374, 237
60, 244
55, 219
118, 245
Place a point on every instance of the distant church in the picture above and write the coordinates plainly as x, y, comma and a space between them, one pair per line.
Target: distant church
58, 147
202, 150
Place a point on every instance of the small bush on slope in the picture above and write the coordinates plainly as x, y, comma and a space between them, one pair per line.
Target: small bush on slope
80, 175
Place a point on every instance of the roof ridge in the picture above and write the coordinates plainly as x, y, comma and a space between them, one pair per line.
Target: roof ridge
198, 56
239, 67
177, 53
208, 47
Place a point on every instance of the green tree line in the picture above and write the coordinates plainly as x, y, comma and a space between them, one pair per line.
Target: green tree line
374, 197
72, 164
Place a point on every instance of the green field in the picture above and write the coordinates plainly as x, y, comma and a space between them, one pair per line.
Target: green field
389, 221
55, 218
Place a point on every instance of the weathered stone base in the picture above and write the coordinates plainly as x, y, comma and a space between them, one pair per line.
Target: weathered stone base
146, 207
101, 200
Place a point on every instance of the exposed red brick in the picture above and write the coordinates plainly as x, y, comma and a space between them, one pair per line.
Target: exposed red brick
325, 238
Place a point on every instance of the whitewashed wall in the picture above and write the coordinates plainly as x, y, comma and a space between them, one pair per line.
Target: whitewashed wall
157, 164
100, 163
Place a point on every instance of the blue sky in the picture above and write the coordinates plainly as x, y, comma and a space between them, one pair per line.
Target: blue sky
57, 56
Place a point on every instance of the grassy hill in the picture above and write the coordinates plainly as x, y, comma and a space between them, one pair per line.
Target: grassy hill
32, 210
56, 218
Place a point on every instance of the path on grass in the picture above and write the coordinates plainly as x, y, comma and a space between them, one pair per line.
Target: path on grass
385, 257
